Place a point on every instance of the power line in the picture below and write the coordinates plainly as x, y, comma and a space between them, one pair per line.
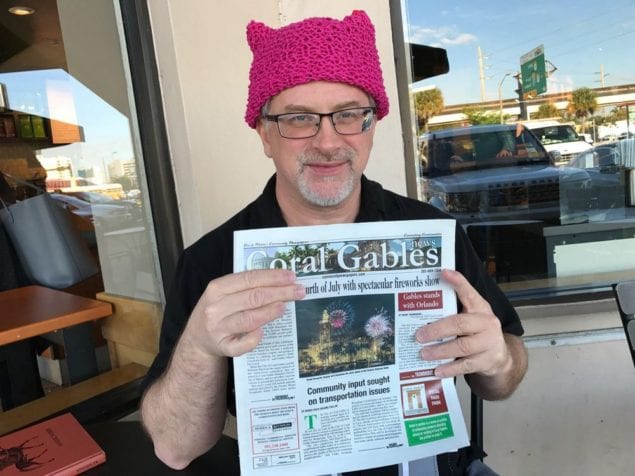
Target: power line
530, 40
577, 48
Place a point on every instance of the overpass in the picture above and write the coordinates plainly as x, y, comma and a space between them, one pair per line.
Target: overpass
452, 115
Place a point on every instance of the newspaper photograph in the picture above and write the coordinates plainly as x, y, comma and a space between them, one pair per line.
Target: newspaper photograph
337, 383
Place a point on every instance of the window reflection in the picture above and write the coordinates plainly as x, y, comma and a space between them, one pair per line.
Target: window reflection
557, 212
78, 147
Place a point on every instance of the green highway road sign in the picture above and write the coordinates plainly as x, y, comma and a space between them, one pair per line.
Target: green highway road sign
532, 71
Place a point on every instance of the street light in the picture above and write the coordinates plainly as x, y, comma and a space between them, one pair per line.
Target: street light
500, 96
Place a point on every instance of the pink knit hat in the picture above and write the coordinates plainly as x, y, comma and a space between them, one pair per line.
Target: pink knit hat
315, 49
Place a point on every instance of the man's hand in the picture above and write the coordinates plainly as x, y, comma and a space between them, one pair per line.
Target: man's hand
480, 346
504, 152
228, 318
184, 410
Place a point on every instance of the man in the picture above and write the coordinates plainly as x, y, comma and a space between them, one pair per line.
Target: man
315, 93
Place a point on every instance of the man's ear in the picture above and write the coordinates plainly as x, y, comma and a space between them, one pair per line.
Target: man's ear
263, 131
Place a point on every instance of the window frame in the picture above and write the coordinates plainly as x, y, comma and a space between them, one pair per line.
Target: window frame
153, 136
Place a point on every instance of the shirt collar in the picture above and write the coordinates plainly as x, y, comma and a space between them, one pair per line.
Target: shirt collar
267, 207
372, 204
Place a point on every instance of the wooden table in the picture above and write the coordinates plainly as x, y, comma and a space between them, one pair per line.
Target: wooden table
39, 311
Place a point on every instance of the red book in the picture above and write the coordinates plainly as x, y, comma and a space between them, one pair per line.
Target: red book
59, 446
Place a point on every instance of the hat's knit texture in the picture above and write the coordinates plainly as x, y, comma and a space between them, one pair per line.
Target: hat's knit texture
315, 49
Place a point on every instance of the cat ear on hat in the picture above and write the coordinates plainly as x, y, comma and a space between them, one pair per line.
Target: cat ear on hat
358, 16
256, 33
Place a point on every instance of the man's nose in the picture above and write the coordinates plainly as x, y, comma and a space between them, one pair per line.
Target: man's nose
327, 137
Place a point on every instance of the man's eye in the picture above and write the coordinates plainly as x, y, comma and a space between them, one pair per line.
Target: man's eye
349, 115
299, 119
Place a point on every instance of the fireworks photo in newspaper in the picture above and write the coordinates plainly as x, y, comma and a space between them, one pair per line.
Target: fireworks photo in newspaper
341, 334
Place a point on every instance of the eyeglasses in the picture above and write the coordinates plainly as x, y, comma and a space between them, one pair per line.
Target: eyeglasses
302, 125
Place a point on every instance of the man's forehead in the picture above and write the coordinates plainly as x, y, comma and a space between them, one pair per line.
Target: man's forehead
319, 95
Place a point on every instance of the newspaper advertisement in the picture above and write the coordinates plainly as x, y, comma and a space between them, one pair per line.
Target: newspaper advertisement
337, 383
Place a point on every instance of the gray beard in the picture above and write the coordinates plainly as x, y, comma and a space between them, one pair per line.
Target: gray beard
341, 194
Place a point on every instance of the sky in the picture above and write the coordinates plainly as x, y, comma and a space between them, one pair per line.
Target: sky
579, 39
106, 130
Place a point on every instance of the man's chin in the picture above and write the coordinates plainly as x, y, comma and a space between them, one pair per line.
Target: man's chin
326, 198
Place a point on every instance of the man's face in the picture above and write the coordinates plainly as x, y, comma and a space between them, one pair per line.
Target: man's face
324, 170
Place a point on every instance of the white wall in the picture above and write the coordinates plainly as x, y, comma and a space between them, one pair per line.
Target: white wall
204, 60
91, 47
571, 414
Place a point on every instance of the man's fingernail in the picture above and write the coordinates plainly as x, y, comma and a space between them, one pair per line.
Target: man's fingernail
421, 336
300, 291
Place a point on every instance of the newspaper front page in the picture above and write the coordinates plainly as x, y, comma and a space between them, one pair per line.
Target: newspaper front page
336, 383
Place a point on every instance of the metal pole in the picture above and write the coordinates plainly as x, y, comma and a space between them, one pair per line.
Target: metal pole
481, 72
500, 97
521, 98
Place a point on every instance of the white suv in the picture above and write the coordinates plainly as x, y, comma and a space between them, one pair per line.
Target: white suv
559, 137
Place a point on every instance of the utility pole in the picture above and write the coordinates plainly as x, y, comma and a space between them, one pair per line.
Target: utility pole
500, 96
524, 115
481, 72
602, 75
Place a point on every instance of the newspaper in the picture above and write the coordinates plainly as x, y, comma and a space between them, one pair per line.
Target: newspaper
337, 383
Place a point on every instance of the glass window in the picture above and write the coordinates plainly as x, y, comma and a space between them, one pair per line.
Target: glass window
525, 135
66, 126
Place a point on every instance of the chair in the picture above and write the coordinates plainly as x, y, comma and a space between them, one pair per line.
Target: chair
476, 423
625, 296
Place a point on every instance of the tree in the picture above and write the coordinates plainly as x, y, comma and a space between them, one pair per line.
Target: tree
477, 117
428, 103
306, 359
126, 182
546, 110
582, 103
351, 350
616, 114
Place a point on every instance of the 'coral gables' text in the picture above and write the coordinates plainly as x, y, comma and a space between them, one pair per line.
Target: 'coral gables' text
352, 257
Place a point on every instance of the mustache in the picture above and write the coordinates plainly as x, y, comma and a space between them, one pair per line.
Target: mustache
314, 156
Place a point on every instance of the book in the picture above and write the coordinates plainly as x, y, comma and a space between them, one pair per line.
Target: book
59, 446
25, 126
39, 130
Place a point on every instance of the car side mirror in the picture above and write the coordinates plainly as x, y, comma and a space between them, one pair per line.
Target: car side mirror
555, 156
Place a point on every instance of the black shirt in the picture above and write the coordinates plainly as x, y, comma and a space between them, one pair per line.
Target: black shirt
212, 257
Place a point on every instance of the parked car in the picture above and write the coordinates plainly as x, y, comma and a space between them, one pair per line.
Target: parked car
556, 136
109, 216
607, 190
464, 173
588, 138
133, 207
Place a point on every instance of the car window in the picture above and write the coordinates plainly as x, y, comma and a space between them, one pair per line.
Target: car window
473, 149
556, 134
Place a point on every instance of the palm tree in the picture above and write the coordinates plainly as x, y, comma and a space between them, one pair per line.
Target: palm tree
583, 102
306, 359
427, 104
546, 110
351, 350
324, 358
338, 350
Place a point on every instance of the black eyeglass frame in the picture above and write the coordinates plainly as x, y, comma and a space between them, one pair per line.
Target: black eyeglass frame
367, 109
